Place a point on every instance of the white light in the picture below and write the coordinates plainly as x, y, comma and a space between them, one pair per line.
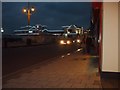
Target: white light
33, 9
78, 40
78, 50
76, 32
30, 31
55, 34
37, 26
68, 54
2, 30
66, 35
68, 32
24, 10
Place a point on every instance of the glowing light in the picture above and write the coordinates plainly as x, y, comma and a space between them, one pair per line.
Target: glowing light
30, 31
2, 30
79, 49
76, 32
62, 56
24, 10
73, 41
68, 42
32, 9
62, 42
78, 40
68, 32
68, 54
66, 35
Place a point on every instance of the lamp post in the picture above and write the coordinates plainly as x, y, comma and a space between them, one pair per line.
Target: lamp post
28, 11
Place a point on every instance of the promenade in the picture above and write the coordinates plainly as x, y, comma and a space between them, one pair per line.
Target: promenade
71, 70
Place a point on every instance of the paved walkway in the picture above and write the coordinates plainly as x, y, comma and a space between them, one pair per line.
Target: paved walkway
68, 71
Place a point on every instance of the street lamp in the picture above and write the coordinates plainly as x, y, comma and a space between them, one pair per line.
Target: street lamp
32, 9
28, 11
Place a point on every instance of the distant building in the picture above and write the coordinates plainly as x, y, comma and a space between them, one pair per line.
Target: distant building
30, 30
73, 29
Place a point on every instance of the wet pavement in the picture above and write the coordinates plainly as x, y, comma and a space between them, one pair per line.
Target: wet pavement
71, 70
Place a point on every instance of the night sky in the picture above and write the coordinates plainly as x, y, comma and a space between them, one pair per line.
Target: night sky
52, 14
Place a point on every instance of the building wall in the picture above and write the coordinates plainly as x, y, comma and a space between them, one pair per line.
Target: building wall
110, 37
118, 37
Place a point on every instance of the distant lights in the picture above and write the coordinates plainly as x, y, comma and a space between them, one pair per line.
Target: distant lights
62, 42
79, 49
66, 35
77, 32
24, 10
68, 54
78, 40
30, 31
68, 32
68, 42
73, 41
33, 9
2, 30
37, 26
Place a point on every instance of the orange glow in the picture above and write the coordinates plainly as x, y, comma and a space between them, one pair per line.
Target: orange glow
24, 10
62, 42
68, 42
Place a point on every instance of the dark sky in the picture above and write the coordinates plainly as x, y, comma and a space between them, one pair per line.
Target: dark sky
52, 14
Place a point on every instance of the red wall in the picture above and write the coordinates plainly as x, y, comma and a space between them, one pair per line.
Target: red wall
96, 15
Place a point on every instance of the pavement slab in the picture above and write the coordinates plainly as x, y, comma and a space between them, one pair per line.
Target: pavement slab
71, 71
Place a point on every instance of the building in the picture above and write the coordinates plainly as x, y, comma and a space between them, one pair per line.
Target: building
106, 29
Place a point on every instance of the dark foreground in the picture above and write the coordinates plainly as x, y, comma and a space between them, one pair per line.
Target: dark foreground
14, 59
74, 70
